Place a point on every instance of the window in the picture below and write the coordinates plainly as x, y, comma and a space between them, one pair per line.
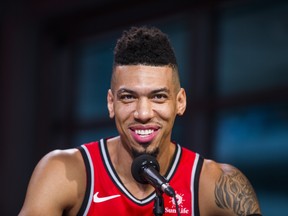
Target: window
253, 47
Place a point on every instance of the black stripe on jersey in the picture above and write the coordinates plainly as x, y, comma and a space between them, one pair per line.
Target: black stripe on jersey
175, 162
88, 186
196, 186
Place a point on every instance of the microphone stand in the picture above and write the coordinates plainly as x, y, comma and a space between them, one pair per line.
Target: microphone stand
158, 209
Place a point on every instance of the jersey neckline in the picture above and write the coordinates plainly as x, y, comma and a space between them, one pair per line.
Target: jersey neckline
116, 179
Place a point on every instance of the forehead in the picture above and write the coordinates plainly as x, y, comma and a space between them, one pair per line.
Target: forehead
143, 76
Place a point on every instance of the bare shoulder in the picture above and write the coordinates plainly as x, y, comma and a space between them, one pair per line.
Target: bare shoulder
57, 184
227, 190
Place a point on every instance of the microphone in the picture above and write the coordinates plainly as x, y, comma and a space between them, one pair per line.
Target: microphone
145, 169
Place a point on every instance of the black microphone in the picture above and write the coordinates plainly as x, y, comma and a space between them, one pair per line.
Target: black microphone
145, 169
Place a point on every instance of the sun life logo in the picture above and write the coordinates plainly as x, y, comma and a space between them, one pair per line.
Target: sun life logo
180, 200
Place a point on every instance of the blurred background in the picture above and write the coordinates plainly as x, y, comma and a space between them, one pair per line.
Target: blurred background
56, 60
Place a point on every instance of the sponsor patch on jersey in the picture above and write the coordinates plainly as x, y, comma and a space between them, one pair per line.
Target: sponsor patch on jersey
181, 205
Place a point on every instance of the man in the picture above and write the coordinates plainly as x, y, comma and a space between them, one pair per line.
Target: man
144, 99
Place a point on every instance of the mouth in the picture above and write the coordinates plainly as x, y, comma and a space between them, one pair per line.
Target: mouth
144, 135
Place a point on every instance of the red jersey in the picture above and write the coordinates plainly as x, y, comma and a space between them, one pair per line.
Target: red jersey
106, 194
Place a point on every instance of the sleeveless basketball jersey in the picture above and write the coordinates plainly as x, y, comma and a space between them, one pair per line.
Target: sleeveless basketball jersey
106, 194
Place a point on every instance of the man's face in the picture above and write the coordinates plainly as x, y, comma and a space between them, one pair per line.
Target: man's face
144, 103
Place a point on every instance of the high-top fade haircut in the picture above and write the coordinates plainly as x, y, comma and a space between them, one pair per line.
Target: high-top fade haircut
147, 46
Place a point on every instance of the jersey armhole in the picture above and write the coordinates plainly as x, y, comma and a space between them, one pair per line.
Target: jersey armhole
196, 185
84, 206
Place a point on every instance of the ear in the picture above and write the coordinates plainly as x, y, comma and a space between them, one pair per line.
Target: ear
110, 103
181, 102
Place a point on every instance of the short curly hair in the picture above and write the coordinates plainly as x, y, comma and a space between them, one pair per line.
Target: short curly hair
144, 45
147, 46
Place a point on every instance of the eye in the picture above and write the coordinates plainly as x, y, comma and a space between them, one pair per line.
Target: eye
126, 98
159, 97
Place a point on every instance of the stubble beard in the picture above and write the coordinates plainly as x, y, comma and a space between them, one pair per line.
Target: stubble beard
136, 153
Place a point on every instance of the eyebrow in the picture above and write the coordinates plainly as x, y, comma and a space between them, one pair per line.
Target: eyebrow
161, 90
125, 90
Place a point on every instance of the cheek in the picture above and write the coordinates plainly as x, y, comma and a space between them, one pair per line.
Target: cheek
166, 112
123, 112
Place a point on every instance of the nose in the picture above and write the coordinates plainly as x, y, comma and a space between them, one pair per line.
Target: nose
143, 111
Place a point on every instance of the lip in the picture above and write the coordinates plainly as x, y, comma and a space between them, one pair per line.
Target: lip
144, 134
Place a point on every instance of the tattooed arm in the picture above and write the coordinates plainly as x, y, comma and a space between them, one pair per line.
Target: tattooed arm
231, 191
234, 191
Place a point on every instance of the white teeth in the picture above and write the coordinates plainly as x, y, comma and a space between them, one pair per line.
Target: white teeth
144, 132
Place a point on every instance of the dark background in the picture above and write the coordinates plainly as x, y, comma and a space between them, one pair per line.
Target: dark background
56, 59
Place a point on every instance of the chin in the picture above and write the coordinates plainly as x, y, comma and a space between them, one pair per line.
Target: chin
153, 152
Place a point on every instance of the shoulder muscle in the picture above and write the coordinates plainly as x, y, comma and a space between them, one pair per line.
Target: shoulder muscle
233, 191
228, 190
56, 183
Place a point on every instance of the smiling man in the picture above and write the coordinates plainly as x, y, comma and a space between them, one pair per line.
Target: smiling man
144, 99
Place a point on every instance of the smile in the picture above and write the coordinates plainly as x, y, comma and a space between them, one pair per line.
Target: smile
144, 132
144, 135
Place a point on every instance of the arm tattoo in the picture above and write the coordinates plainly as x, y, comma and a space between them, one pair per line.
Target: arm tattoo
234, 191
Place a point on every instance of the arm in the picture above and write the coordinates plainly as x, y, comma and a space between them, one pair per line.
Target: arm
57, 185
231, 192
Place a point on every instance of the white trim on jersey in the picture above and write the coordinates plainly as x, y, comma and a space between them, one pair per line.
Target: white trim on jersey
92, 181
193, 183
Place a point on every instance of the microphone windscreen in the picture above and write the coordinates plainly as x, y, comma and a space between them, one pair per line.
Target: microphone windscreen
140, 163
